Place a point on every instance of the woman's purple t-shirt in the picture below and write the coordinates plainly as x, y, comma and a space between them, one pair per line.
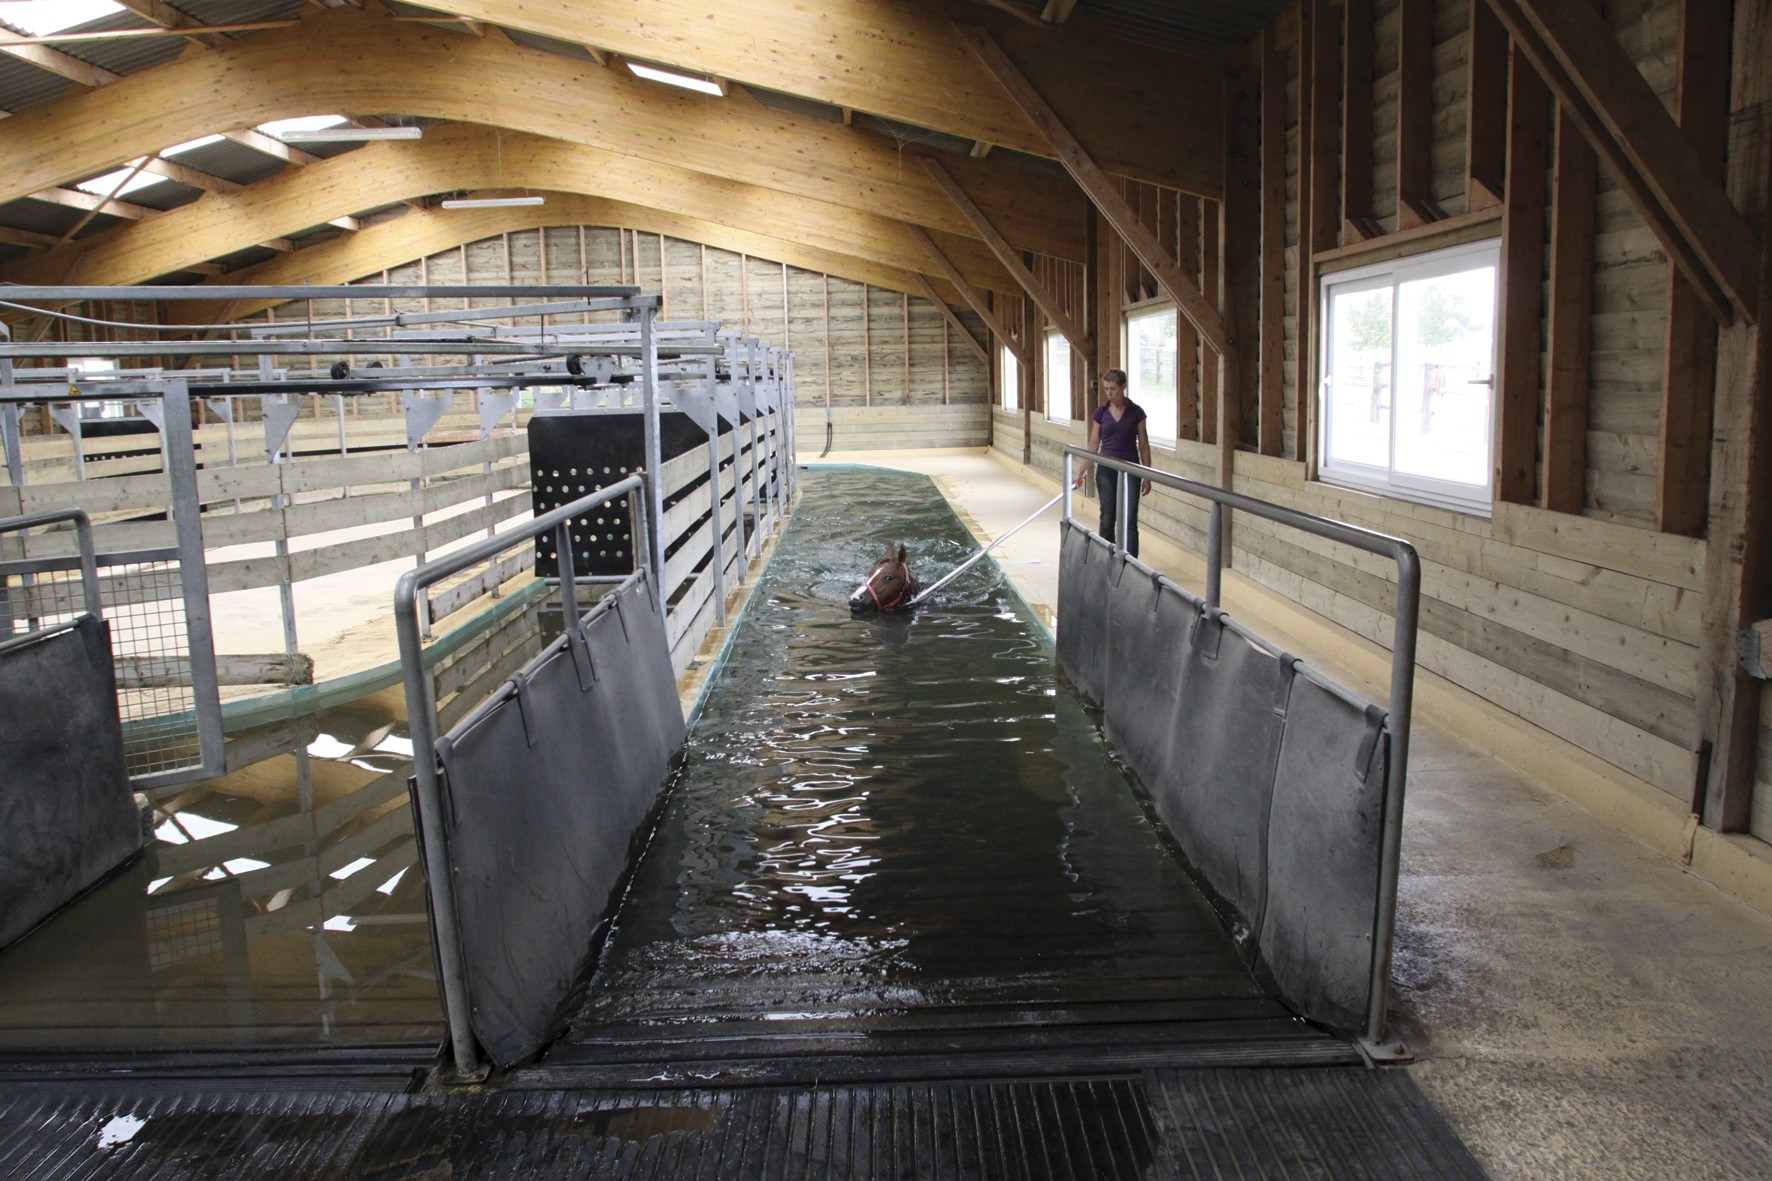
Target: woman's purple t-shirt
1119, 437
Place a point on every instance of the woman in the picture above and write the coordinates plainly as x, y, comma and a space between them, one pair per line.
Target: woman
1116, 430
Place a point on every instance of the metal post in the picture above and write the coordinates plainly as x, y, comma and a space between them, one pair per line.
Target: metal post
421, 715
567, 568
654, 456
1402, 710
187, 520
714, 496
639, 515
1121, 498
1214, 554
1069, 476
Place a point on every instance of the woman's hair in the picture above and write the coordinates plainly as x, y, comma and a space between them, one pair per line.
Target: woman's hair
1117, 376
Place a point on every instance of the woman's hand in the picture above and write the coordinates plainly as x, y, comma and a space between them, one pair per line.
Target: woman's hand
1145, 488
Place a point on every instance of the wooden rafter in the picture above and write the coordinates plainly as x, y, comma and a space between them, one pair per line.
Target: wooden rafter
1522, 286
1058, 11
973, 297
954, 321
1570, 322
172, 170
1011, 262
1273, 243
1485, 135
257, 140
26, 238
44, 57
1358, 221
1304, 366
1415, 114
75, 199
1239, 221
472, 157
168, 17
1100, 190
1575, 52
898, 63
422, 71
1689, 353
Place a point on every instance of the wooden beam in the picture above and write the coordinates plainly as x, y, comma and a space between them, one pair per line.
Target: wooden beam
1304, 277
1272, 384
1099, 188
10, 41
1571, 318
56, 62
1058, 11
1358, 221
172, 170
1738, 551
168, 17
1415, 114
1654, 163
1239, 221
1017, 11
257, 140
1191, 361
1522, 286
897, 60
26, 238
420, 70
954, 321
979, 150
1485, 129
76, 199
1005, 254
1689, 353
974, 299
1324, 143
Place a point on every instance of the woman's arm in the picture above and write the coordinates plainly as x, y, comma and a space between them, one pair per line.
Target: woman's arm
1144, 456
1094, 444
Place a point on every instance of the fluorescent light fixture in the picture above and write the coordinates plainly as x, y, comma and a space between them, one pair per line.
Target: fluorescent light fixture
337, 135
301, 123
490, 202
697, 82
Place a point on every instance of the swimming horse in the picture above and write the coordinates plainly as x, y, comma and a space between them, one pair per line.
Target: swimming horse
890, 587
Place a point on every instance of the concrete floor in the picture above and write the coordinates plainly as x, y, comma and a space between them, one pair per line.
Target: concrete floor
1580, 1004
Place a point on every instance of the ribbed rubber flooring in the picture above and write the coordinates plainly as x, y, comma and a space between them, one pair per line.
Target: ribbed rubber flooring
1298, 1124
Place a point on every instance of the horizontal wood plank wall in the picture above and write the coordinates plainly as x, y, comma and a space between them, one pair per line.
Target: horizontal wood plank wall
1586, 623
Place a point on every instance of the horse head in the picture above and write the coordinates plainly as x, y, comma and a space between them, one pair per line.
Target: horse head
889, 586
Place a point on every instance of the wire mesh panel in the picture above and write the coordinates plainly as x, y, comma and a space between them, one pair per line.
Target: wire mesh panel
145, 602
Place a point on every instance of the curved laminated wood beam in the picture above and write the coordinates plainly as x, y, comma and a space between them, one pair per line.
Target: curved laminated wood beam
382, 247
416, 69
1144, 114
467, 157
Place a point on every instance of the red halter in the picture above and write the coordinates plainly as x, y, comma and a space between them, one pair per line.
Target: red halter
895, 600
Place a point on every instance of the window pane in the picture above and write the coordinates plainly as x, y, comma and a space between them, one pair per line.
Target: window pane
1150, 370
1358, 411
1010, 370
1445, 342
1058, 377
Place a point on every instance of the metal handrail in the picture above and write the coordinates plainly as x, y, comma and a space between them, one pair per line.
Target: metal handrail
421, 715
1407, 615
88, 548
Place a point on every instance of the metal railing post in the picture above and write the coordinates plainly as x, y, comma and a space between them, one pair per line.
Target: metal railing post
1214, 554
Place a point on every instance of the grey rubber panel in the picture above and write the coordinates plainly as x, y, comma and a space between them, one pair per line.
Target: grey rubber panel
1152, 628
1213, 788
544, 796
1306, 1125
1082, 610
66, 814
1326, 824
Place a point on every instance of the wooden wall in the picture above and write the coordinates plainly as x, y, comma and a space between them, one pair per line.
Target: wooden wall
1580, 604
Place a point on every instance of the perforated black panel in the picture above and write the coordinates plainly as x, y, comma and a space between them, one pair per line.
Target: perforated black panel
573, 455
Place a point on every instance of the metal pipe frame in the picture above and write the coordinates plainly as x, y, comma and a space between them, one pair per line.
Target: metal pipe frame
87, 559
421, 720
1406, 615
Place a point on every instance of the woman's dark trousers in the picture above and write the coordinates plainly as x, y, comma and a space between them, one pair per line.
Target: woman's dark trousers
1107, 487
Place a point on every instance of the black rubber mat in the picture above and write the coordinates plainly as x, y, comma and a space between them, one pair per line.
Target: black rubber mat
1303, 1124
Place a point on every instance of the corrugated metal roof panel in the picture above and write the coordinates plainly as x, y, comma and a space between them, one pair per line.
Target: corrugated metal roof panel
907, 133
1192, 27
549, 45
794, 104
240, 12
40, 217
25, 86
231, 161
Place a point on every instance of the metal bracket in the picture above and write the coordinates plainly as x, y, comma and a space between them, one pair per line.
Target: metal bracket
697, 401
223, 407
279, 412
67, 416
423, 413
1391, 1052
494, 405
154, 410
1753, 647
550, 397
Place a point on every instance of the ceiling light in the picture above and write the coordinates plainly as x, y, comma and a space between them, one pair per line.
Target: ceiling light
697, 82
335, 135
490, 202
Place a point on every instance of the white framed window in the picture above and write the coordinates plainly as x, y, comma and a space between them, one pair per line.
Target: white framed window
1009, 373
1406, 407
1058, 377
1150, 370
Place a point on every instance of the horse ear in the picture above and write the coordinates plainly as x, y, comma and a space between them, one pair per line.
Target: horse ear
901, 554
